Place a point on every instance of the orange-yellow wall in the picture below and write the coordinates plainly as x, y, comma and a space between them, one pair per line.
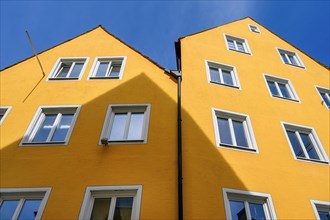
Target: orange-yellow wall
208, 168
69, 169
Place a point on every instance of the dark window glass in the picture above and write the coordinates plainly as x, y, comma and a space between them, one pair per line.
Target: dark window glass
7, 208
292, 60
272, 88
214, 74
257, 211
284, 91
285, 60
240, 134
123, 210
309, 146
325, 98
115, 69
227, 77
30, 209
64, 70
237, 210
223, 126
295, 144
323, 215
101, 208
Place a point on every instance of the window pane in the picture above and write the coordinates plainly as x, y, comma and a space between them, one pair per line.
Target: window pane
136, 126
64, 70
309, 146
214, 74
1, 116
62, 128
102, 70
240, 46
123, 210
240, 134
76, 70
292, 60
115, 69
295, 144
231, 44
227, 77
285, 60
45, 128
224, 131
30, 209
257, 211
101, 209
284, 90
7, 208
118, 126
323, 215
272, 88
237, 210
325, 98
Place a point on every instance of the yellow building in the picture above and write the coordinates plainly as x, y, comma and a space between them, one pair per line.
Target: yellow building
98, 135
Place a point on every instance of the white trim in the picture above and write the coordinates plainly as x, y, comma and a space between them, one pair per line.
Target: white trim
314, 139
6, 110
20, 193
87, 205
243, 195
232, 69
235, 39
110, 59
257, 28
57, 65
295, 56
249, 134
318, 205
320, 89
37, 120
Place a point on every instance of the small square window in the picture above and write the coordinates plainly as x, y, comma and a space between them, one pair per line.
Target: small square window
23, 203
237, 44
4, 110
325, 95
51, 125
241, 204
254, 29
108, 68
222, 74
290, 58
304, 143
321, 209
111, 202
68, 69
126, 124
281, 88
233, 130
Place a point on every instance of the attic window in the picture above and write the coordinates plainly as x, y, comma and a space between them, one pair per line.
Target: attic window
108, 68
68, 69
254, 29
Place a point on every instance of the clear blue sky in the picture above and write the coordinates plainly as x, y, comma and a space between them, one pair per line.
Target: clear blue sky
152, 26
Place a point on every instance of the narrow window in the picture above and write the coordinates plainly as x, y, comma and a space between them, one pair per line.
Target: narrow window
237, 44
108, 68
325, 96
4, 110
254, 28
222, 74
290, 58
68, 69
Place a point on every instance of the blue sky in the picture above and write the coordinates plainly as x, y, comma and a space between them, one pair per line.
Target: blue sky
152, 26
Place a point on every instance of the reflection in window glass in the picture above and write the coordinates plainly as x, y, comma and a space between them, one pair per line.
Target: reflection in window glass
295, 144
30, 209
118, 126
240, 134
101, 208
309, 146
135, 126
214, 72
257, 211
225, 137
227, 77
7, 208
123, 210
237, 210
62, 128
324, 215
44, 130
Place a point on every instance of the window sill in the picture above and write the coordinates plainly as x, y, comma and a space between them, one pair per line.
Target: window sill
280, 97
104, 77
72, 78
302, 67
311, 160
113, 142
237, 147
222, 84
243, 52
43, 143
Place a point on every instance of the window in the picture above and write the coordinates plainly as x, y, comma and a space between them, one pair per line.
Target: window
254, 29
245, 205
233, 130
68, 68
126, 123
108, 68
321, 209
237, 44
325, 95
112, 202
304, 143
4, 110
23, 203
290, 58
51, 125
222, 74
281, 88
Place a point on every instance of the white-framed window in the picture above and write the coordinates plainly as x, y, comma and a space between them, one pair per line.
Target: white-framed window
254, 28
325, 95
223, 74
233, 130
237, 44
321, 209
126, 123
51, 125
112, 202
23, 203
4, 110
68, 68
241, 205
290, 58
304, 143
108, 68
281, 88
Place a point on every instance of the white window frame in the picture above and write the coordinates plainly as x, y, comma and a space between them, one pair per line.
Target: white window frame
114, 108
293, 94
256, 28
4, 110
96, 64
322, 206
325, 90
26, 193
248, 130
37, 121
312, 136
247, 49
246, 197
220, 67
93, 192
293, 54
56, 68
